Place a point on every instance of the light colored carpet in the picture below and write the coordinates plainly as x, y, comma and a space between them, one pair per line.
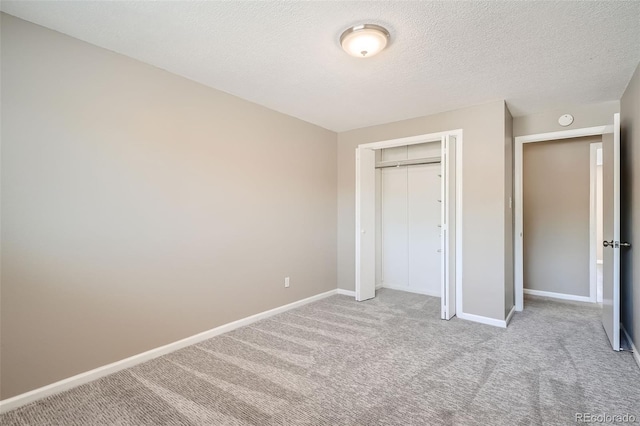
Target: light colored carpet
387, 361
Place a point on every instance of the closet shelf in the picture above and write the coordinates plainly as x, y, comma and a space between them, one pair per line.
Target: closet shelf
412, 162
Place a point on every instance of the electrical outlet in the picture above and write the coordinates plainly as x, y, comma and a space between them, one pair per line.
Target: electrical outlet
286, 282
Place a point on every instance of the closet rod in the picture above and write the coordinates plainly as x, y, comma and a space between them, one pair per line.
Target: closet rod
415, 162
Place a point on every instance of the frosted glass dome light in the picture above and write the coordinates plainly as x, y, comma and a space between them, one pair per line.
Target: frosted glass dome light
363, 41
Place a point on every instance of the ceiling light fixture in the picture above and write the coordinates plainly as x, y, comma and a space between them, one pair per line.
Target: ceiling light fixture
363, 41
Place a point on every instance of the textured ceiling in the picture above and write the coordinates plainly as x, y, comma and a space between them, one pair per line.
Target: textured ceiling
442, 56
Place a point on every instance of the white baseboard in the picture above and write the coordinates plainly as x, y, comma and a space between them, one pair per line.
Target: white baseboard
562, 296
482, 320
511, 312
411, 290
636, 354
105, 370
378, 286
346, 292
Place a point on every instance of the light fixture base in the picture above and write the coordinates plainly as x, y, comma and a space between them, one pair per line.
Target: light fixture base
365, 40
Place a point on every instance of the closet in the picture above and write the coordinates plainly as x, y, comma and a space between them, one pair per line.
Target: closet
408, 218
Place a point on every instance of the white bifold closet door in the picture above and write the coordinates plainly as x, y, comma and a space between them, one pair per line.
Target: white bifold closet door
395, 238
422, 227
410, 222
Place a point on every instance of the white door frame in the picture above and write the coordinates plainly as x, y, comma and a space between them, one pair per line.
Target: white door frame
518, 243
593, 222
414, 140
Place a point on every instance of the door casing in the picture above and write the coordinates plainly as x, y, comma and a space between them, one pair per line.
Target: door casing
413, 140
518, 194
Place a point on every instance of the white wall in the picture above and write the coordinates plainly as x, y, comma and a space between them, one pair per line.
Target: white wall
139, 207
587, 115
484, 251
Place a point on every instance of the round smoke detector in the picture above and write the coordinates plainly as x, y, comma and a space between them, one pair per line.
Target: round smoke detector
565, 120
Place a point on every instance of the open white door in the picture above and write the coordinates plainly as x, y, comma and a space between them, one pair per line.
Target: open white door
611, 233
447, 232
365, 224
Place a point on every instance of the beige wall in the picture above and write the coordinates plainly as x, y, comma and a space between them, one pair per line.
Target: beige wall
139, 207
630, 197
556, 211
588, 115
509, 290
484, 219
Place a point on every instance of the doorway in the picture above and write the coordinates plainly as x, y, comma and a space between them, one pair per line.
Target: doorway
560, 216
520, 142
408, 218
369, 219
610, 218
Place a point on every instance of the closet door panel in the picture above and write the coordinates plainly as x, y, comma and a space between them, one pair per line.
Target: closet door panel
394, 232
423, 218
